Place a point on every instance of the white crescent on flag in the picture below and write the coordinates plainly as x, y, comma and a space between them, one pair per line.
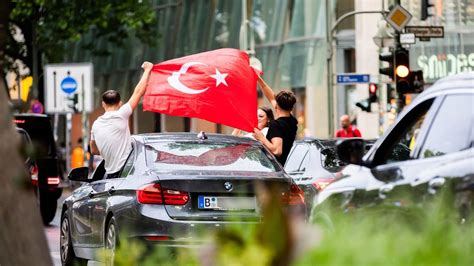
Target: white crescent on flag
174, 81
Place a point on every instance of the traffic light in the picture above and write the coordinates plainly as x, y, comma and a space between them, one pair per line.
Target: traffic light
402, 69
372, 93
417, 82
73, 100
365, 105
388, 71
425, 9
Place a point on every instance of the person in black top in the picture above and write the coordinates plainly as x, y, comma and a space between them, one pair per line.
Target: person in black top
282, 131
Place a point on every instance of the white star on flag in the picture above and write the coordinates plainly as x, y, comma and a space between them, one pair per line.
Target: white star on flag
220, 78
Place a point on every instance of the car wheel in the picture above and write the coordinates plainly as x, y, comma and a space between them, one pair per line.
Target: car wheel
111, 241
65, 244
48, 205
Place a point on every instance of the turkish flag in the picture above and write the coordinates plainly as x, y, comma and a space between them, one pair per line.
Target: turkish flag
218, 86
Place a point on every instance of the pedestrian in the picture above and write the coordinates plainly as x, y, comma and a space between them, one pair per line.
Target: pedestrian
77, 155
347, 130
282, 131
110, 134
264, 117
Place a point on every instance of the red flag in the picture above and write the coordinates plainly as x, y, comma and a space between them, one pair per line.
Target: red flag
218, 86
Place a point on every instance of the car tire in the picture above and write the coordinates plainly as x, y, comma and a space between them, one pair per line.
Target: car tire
66, 251
110, 242
48, 205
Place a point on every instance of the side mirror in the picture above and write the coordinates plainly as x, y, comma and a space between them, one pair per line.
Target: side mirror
80, 174
351, 151
387, 174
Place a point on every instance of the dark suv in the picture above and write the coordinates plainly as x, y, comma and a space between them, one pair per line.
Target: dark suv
49, 190
437, 130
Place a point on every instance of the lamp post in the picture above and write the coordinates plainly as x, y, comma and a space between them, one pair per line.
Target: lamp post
330, 32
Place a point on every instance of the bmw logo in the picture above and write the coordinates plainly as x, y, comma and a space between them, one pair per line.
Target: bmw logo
228, 186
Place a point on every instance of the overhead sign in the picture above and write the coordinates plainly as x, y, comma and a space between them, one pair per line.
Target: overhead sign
398, 17
426, 31
407, 38
349, 78
63, 81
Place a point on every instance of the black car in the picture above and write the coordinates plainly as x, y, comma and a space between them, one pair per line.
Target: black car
430, 146
170, 186
313, 164
49, 179
26, 149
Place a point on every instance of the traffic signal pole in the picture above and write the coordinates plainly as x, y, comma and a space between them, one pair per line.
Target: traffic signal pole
330, 32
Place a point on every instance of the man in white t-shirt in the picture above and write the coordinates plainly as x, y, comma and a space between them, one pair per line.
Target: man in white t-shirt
110, 135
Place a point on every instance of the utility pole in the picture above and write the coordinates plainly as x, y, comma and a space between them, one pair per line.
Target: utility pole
330, 32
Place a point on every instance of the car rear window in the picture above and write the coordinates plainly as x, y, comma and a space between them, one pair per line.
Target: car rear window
41, 134
166, 156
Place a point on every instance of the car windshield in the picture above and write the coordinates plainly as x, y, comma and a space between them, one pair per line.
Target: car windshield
198, 156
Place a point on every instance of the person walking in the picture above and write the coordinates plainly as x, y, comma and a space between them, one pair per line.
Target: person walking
110, 135
346, 130
282, 131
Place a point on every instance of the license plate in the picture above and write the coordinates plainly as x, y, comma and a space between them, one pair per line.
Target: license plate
227, 203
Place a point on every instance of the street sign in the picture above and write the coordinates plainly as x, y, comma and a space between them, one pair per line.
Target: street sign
63, 81
348, 78
37, 107
426, 31
398, 17
407, 38
68, 84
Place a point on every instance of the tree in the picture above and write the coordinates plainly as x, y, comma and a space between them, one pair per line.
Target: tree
47, 26
21, 230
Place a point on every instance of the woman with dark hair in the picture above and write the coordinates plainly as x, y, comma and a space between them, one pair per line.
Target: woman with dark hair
264, 117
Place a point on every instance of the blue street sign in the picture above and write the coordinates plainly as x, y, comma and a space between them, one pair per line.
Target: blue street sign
353, 78
68, 85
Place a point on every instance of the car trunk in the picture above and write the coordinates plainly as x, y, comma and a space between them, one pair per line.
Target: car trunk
213, 198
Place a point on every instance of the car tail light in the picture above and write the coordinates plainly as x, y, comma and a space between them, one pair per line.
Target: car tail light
150, 194
321, 183
34, 175
157, 238
154, 194
294, 197
175, 197
54, 180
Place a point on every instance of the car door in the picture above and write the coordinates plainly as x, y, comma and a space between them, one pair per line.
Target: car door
393, 159
450, 133
447, 130
81, 209
101, 200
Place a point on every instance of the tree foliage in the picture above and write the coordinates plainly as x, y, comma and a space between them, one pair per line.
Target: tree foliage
51, 24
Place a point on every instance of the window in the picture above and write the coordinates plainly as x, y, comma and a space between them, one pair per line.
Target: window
198, 156
400, 143
128, 167
451, 128
294, 161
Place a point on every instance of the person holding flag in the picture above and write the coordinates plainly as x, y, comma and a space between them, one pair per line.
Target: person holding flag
110, 134
282, 131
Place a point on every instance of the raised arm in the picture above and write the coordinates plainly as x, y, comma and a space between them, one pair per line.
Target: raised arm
267, 91
141, 86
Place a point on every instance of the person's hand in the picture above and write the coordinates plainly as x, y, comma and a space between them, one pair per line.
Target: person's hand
257, 134
147, 65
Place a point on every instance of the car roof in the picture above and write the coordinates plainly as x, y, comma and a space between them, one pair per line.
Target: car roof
191, 136
451, 83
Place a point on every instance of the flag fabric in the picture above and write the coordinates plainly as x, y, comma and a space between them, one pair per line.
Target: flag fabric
218, 86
